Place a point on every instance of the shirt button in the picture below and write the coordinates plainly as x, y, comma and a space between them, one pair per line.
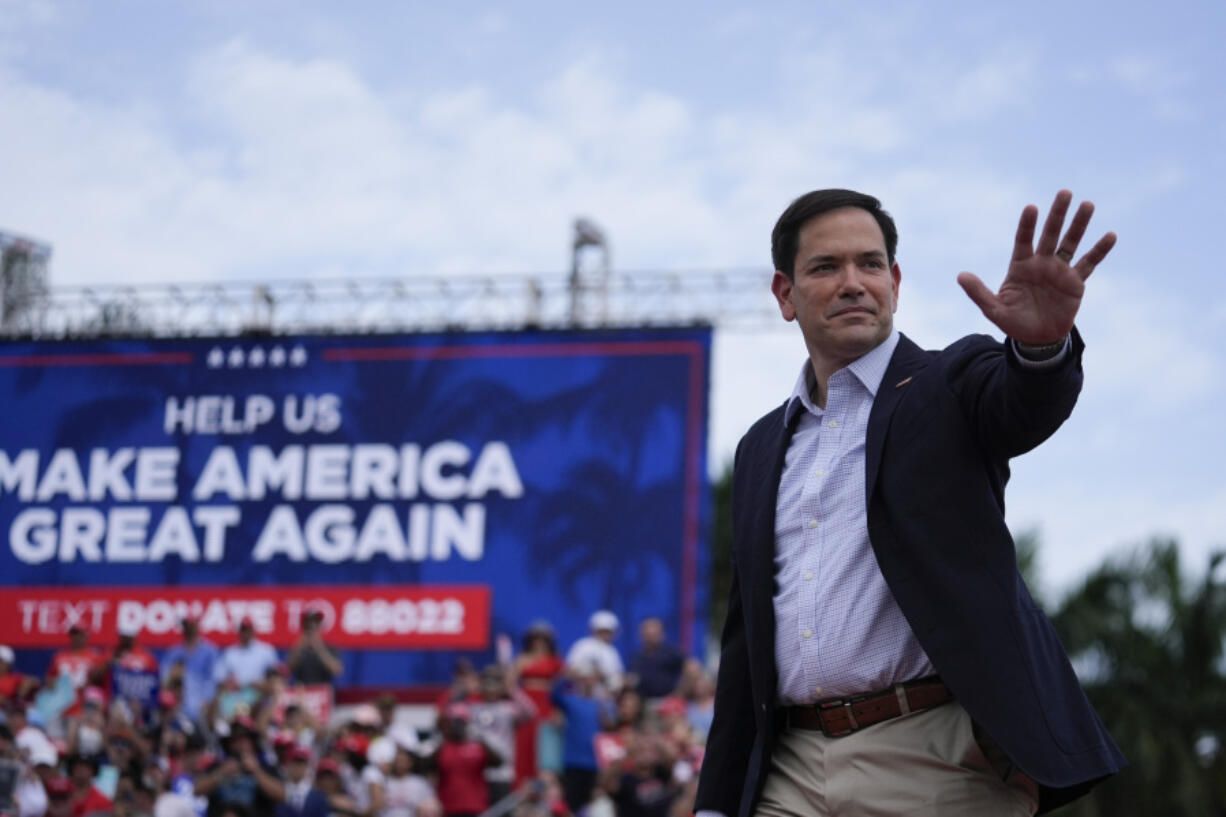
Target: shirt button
807, 633
834, 423
808, 575
813, 523
818, 690
819, 472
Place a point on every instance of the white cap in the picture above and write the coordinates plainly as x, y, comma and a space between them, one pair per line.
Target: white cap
405, 737
602, 620
44, 754
381, 751
6, 654
128, 629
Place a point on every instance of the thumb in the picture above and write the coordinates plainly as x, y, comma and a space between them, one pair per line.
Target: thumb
978, 292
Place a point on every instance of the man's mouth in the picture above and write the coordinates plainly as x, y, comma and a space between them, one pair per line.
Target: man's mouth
853, 310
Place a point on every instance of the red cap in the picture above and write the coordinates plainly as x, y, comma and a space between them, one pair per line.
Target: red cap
354, 743
58, 786
246, 622
77, 628
458, 712
327, 766
300, 753
94, 695
167, 699
671, 705
283, 740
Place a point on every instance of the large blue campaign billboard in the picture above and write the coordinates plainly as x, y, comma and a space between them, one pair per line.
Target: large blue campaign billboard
424, 492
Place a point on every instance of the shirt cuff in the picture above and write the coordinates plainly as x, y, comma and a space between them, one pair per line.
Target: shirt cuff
1054, 360
709, 813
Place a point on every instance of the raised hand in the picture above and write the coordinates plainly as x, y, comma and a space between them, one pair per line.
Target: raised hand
1039, 298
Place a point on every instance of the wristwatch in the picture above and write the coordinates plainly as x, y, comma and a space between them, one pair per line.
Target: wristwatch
1040, 351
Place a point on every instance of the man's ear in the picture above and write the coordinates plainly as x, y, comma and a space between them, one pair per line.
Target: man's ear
781, 288
896, 274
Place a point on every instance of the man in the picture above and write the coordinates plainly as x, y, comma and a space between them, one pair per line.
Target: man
597, 652
310, 660
194, 663
656, 667
248, 661
881, 653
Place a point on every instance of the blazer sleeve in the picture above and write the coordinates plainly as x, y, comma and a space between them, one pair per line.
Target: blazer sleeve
1012, 408
725, 766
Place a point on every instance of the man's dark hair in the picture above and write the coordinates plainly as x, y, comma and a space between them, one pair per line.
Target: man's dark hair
785, 236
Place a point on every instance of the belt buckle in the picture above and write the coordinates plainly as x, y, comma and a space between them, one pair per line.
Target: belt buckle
844, 704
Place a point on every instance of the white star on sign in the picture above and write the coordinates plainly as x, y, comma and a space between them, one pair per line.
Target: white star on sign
276, 357
216, 358
255, 358
298, 357
236, 357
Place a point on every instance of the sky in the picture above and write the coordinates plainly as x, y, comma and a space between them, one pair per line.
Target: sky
188, 142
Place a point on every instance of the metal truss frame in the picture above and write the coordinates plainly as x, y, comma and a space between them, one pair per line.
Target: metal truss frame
732, 298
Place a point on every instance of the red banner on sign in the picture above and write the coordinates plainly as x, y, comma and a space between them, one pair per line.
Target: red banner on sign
388, 616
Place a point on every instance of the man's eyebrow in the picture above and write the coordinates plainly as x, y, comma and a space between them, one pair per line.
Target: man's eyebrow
829, 257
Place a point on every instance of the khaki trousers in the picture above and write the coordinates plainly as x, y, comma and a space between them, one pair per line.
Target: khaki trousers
924, 763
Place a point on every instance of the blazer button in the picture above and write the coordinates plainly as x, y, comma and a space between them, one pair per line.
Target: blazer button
763, 707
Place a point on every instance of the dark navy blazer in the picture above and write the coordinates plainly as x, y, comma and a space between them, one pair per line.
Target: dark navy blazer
942, 429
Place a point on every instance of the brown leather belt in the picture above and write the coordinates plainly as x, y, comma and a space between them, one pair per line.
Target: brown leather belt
842, 716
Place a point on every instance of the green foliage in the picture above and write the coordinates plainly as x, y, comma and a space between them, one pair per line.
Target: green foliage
1148, 642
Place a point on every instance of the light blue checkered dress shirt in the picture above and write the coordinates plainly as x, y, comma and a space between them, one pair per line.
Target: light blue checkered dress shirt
838, 630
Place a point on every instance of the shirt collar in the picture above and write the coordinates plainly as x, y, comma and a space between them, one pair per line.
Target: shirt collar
869, 369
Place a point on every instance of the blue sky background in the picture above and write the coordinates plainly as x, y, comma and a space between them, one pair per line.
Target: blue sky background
236, 140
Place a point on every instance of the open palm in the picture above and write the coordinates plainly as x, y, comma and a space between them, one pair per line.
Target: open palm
1039, 298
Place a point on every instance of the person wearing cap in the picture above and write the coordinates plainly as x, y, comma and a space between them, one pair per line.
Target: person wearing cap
13, 684
405, 788
80, 663
499, 709
194, 660
60, 797
310, 660
249, 660
241, 777
597, 653
302, 798
461, 760
328, 780
86, 797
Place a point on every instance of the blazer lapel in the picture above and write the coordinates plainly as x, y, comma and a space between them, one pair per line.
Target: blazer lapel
907, 359
764, 468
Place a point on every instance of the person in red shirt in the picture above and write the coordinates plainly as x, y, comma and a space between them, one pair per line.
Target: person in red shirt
461, 761
86, 799
131, 655
79, 662
13, 685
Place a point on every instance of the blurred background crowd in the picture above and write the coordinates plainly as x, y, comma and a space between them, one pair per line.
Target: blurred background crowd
243, 731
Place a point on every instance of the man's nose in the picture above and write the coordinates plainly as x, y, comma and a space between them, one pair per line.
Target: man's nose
850, 281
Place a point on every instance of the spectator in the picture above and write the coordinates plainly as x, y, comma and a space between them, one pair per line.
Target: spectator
406, 790
586, 714
537, 667
328, 781
241, 777
657, 665
461, 760
248, 661
647, 789
13, 685
60, 801
302, 798
310, 660
595, 653
194, 663
86, 798
496, 713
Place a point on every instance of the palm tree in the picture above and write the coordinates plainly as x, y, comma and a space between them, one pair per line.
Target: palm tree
1148, 644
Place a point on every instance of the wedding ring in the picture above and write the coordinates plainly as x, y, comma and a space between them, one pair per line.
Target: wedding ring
1064, 255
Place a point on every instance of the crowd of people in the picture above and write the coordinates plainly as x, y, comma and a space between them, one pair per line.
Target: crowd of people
201, 731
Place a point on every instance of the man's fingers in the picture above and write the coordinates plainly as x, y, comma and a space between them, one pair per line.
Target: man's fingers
1023, 244
1077, 229
978, 292
1085, 267
1054, 223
